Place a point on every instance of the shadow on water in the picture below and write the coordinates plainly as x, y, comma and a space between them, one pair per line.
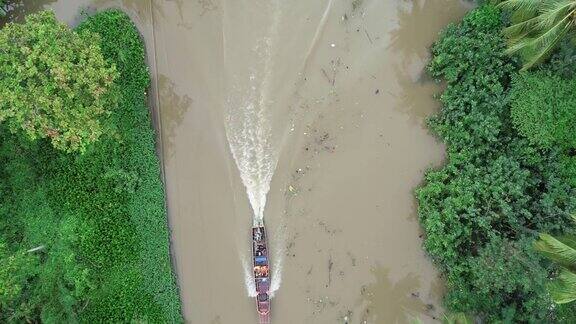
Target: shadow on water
415, 94
392, 302
17, 10
141, 8
419, 21
173, 109
144, 9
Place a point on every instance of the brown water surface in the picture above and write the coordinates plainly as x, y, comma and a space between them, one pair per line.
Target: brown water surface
344, 92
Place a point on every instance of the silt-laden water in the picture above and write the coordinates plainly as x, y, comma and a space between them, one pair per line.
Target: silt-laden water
323, 104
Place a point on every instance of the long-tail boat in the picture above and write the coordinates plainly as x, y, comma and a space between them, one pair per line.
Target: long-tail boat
261, 271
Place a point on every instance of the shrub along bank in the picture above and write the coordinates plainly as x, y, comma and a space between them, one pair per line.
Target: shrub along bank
84, 238
509, 174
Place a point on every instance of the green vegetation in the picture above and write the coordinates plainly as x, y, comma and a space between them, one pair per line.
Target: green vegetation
538, 26
505, 178
55, 82
3, 8
451, 318
84, 238
544, 108
562, 251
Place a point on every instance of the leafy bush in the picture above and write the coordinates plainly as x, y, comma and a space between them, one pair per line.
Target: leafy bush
144, 278
544, 108
481, 211
55, 82
3, 8
562, 62
99, 216
470, 58
15, 271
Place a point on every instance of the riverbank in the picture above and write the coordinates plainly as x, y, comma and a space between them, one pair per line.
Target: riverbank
354, 146
99, 217
509, 173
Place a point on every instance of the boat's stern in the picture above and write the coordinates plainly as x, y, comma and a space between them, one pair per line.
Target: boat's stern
263, 307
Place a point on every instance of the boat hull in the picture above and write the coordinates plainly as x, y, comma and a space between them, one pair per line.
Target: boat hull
261, 268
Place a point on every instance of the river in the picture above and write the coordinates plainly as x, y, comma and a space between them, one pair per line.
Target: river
345, 93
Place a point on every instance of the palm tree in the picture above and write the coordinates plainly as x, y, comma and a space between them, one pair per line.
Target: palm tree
562, 251
538, 26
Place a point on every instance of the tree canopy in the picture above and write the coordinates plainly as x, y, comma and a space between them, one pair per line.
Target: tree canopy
55, 82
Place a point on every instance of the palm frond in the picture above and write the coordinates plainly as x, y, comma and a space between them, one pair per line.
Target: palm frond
526, 8
569, 240
540, 47
521, 28
537, 27
563, 288
556, 250
518, 45
555, 12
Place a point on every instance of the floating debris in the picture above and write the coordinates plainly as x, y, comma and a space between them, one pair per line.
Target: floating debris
368, 35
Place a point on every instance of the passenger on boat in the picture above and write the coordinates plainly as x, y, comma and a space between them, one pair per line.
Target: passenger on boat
264, 271
262, 297
257, 235
261, 271
257, 271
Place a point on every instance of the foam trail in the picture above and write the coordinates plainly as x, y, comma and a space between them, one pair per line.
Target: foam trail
250, 143
249, 134
249, 278
278, 258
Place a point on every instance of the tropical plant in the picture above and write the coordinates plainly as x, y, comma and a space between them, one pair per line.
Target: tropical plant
15, 271
54, 82
481, 210
562, 251
2, 9
99, 217
538, 26
543, 108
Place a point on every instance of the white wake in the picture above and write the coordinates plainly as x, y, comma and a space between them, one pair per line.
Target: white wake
249, 133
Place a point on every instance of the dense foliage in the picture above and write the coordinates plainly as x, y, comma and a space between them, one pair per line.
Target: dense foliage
482, 210
55, 82
85, 237
3, 7
544, 108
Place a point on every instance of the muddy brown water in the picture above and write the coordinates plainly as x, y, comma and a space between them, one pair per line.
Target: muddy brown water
349, 97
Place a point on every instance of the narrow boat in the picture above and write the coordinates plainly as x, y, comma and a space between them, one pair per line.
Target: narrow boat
261, 272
